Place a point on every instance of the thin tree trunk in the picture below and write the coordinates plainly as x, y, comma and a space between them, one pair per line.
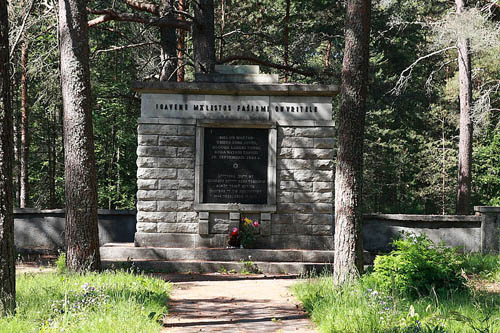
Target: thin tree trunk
82, 238
348, 263
51, 149
204, 36
465, 140
286, 37
180, 45
222, 26
443, 169
328, 54
7, 257
23, 197
16, 174
168, 41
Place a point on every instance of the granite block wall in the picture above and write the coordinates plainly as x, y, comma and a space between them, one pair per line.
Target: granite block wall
166, 190
305, 199
165, 178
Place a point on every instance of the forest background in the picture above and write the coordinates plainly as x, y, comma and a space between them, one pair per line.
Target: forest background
411, 143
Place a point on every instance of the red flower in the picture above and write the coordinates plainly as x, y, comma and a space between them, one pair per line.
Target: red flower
234, 232
256, 224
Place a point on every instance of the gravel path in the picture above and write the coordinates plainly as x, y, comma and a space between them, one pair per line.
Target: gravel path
239, 305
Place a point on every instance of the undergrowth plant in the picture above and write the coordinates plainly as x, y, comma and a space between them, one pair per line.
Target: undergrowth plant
417, 266
385, 299
61, 263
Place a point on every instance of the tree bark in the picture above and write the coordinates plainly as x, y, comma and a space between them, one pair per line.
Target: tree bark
222, 27
168, 41
180, 46
286, 36
82, 238
348, 263
328, 54
204, 36
7, 256
24, 185
465, 135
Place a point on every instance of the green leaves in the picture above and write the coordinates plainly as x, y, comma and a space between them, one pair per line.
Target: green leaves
417, 266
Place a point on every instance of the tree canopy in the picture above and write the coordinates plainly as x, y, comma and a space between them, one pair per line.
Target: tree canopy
412, 106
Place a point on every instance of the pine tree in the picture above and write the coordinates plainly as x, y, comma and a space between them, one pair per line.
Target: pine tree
82, 238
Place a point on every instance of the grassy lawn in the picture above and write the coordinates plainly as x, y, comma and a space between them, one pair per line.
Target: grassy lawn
365, 306
105, 302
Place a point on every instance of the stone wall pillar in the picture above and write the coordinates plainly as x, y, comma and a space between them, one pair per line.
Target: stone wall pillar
490, 222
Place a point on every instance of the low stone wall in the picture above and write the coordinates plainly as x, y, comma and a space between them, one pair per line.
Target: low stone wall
43, 230
455, 230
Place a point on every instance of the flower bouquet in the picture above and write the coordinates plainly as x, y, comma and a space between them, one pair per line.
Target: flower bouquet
246, 235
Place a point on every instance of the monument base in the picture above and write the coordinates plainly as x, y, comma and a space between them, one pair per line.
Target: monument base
177, 240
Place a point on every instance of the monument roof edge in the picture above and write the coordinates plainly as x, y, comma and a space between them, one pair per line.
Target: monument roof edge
248, 89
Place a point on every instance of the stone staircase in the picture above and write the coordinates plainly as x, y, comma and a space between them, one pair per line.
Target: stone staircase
211, 260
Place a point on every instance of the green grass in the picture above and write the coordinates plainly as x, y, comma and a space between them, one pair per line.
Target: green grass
364, 307
94, 302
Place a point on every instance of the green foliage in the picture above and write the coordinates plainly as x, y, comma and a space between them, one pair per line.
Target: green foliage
106, 302
61, 263
486, 171
484, 265
363, 307
417, 266
249, 267
411, 139
248, 232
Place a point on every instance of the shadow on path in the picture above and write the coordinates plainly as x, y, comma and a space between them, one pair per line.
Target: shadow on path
264, 305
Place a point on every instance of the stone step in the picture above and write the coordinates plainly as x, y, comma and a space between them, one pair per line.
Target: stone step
126, 251
250, 267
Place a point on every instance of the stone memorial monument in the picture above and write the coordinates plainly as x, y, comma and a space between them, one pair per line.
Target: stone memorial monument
235, 144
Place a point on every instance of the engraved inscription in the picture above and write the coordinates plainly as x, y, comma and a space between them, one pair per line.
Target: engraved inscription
235, 165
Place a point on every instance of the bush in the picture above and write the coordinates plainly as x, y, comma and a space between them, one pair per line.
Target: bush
417, 265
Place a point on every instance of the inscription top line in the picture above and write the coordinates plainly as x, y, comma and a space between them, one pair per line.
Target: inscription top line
236, 107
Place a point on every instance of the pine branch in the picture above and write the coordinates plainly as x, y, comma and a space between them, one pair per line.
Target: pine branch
143, 6
107, 15
23, 25
117, 48
405, 75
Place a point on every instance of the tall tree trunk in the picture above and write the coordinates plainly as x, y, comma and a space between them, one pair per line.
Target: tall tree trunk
286, 37
16, 174
82, 238
23, 197
204, 36
168, 41
180, 45
465, 141
7, 257
348, 261
222, 27
51, 149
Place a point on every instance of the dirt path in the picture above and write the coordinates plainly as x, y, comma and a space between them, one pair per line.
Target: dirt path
244, 305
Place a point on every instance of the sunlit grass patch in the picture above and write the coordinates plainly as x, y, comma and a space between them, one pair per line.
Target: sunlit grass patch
94, 302
361, 307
